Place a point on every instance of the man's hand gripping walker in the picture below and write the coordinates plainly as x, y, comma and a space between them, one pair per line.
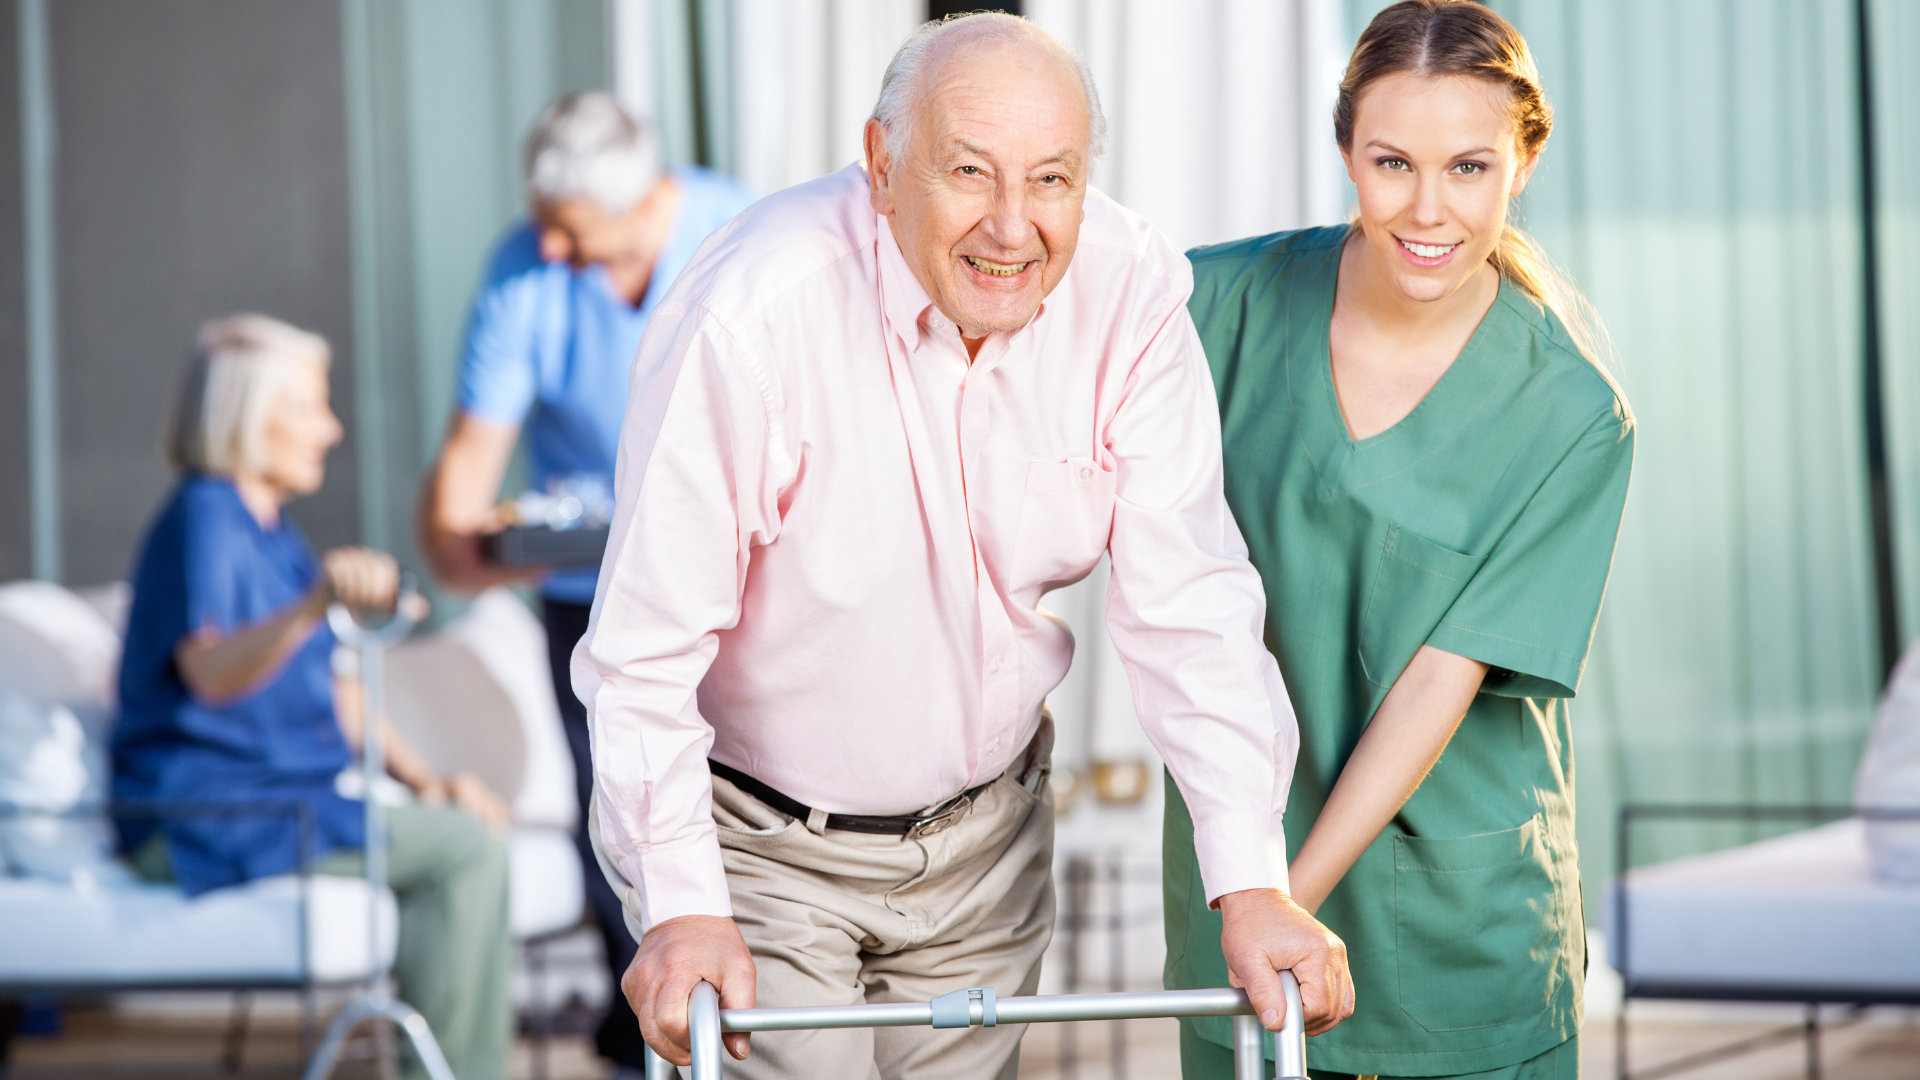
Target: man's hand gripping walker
980, 1008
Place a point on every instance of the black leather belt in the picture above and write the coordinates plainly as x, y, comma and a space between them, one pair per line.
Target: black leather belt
938, 819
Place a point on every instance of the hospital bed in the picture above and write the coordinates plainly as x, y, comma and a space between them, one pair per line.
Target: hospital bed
1796, 918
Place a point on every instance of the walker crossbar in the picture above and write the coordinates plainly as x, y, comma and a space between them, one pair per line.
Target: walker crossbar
707, 1021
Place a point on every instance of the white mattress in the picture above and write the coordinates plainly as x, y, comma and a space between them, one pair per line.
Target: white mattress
55, 934
1797, 911
138, 933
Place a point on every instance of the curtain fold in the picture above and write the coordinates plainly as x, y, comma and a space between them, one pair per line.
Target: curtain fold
1703, 188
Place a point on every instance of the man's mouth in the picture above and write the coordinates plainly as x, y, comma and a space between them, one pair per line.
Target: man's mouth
1428, 251
996, 269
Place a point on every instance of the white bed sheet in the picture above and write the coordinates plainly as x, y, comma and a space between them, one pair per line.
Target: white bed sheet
56, 934
1800, 910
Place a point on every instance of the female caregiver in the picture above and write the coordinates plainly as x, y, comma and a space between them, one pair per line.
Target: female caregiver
227, 689
1428, 463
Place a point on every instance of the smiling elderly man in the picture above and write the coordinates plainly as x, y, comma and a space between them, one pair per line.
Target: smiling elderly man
877, 419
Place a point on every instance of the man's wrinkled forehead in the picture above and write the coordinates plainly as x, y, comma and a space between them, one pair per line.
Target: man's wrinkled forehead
982, 96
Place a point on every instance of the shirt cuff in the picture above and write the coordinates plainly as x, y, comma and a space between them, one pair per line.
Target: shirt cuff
1238, 851
688, 878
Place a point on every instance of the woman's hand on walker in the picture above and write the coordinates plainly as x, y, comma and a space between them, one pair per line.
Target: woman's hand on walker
359, 577
674, 957
1263, 932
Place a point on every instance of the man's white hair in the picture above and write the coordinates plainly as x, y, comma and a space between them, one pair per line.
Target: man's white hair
239, 367
900, 87
586, 146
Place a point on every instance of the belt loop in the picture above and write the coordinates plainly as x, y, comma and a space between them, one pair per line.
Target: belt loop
817, 821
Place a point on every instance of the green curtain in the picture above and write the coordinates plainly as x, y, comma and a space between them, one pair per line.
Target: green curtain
440, 94
1895, 33
1703, 188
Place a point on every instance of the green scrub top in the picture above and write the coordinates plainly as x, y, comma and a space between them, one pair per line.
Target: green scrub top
1483, 523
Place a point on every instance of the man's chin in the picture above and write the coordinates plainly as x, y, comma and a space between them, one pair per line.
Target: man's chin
994, 319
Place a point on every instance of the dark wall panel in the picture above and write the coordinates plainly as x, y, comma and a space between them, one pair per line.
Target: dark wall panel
202, 170
16, 525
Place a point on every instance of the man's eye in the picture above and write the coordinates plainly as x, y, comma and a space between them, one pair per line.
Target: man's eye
1053, 178
969, 170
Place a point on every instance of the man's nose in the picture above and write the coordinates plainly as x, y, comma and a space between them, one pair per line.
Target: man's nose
1008, 223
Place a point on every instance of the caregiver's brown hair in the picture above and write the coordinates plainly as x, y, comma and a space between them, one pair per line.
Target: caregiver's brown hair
1462, 39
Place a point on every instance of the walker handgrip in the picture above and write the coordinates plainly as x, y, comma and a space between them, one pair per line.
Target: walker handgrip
703, 1030
355, 636
1290, 1042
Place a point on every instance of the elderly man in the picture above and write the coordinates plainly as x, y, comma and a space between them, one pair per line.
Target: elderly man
874, 423
550, 343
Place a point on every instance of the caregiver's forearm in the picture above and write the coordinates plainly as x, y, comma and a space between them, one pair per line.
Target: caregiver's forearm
1393, 756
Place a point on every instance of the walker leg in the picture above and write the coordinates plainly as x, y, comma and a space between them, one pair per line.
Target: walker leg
1249, 1053
401, 1015
659, 1068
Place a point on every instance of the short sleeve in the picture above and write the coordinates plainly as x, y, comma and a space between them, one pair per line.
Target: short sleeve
1530, 610
210, 561
498, 380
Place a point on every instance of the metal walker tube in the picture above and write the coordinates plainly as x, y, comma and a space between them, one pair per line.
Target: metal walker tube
707, 1021
378, 1002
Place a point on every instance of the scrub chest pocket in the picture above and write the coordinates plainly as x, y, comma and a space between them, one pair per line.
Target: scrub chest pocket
1415, 582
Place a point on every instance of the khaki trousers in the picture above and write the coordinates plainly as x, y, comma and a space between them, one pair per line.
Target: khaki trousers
838, 918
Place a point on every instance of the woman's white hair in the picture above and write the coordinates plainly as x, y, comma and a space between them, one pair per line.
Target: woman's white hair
240, 364
586, 146
900, 86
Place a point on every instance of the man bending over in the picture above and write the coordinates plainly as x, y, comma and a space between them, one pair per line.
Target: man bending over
874, 422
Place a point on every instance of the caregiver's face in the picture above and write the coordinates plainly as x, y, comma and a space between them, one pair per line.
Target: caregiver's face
1435, 162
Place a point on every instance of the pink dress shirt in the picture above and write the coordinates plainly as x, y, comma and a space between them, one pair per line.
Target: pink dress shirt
833, 534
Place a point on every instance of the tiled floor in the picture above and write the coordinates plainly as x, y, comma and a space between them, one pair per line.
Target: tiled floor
183, 1044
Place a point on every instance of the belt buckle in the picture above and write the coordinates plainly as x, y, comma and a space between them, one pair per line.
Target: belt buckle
941, 820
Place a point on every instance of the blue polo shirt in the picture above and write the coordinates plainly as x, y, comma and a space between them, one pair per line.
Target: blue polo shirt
551, 347
207, 563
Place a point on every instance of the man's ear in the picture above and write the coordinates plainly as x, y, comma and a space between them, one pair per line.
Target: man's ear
879, 168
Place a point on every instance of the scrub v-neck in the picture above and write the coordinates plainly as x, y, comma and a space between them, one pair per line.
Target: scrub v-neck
1345, 464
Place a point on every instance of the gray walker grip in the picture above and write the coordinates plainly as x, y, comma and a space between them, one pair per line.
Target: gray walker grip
706, 1021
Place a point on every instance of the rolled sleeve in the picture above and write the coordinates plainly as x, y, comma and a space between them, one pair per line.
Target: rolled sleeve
693, 451
1185, 609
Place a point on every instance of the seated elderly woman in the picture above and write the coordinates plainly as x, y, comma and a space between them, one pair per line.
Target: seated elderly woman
228, 690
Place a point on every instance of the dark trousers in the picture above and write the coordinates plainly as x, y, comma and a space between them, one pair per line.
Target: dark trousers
618, 1039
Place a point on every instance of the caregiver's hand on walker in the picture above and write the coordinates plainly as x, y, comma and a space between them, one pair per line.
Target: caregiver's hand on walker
674, 957
1263, 932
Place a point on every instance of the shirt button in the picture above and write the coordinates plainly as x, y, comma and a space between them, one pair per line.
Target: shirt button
1086, 473
995, 748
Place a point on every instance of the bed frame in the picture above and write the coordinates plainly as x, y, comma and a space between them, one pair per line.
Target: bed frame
1856, 998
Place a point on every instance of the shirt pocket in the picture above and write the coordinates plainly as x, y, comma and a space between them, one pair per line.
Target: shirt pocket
1477, 927
1066, 516
1415, 582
